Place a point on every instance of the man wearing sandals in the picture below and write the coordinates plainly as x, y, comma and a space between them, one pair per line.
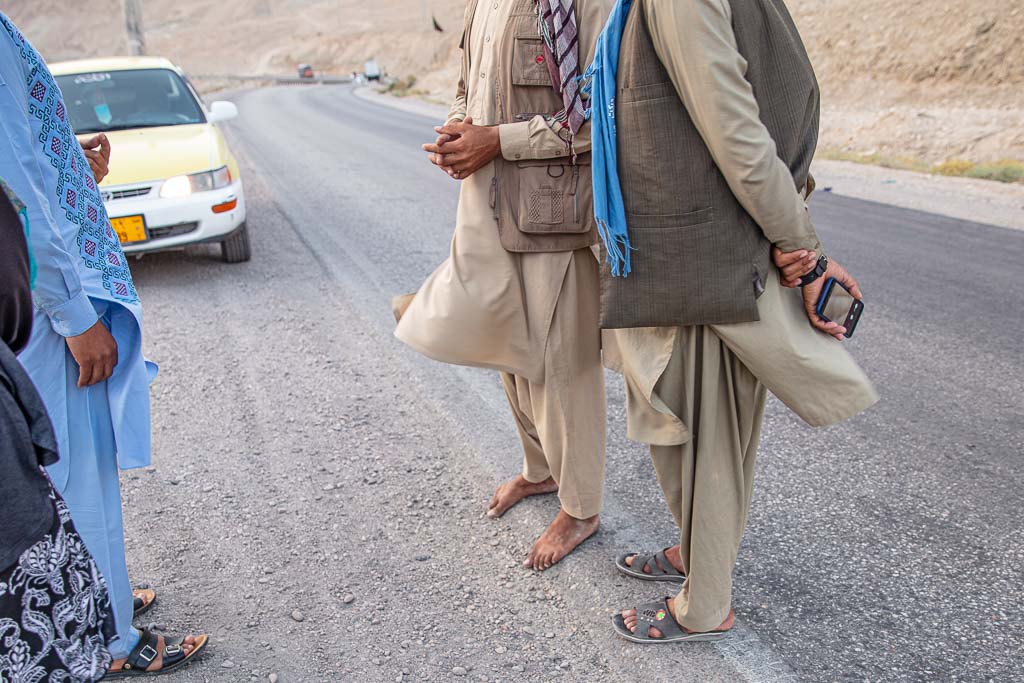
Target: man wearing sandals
85, 352
519, 292
715, 105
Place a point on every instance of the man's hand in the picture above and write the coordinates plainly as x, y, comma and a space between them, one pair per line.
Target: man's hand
95, 351
97, 152
435, 157
471, 148
793, 265
812, 293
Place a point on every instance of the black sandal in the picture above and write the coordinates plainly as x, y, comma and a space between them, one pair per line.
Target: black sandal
657, 565
657, 615
145, 652
144, 599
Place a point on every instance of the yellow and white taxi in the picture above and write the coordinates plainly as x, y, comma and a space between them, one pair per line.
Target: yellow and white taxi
173, 181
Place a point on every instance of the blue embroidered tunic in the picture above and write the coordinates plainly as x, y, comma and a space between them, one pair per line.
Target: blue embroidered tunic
81, 268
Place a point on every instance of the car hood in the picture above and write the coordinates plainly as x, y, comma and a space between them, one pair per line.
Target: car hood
148, 154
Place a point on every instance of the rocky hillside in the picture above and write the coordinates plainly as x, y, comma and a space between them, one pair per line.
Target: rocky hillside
929, 81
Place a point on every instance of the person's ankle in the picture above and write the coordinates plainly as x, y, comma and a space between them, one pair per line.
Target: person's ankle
675, 558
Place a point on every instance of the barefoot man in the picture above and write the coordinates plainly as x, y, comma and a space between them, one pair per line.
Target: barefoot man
716, 108
519, 293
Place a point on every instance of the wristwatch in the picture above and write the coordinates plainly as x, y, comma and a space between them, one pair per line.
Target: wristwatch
819, 269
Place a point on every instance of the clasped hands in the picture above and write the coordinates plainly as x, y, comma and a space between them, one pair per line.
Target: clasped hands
463, 148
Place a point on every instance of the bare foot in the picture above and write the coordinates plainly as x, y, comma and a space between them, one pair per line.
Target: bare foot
400, 304
188, 645
629, 617
560, 539
514, 490
674, 557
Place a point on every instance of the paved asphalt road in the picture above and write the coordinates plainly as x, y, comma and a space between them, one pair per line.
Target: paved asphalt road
306, 460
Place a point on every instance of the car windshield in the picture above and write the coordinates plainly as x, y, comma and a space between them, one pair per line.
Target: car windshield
120, 100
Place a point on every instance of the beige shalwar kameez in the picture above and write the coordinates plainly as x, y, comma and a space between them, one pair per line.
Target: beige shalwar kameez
697, 394
531, 316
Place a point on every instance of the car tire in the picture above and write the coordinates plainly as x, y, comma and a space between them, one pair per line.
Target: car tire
236, 248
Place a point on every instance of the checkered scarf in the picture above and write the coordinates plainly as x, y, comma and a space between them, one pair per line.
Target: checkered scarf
557, 20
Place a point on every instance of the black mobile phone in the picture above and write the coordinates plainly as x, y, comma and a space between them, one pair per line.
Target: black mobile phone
837, 305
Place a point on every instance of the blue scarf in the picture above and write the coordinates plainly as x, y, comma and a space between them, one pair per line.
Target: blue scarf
609, 209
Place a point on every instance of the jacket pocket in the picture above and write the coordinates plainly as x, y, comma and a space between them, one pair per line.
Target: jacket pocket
649, 92
553, 197
529, 64
670, 220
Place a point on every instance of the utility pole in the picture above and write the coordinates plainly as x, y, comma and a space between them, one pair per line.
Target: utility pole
133, 26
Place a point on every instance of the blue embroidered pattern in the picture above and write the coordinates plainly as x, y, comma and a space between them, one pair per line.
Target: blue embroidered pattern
76, 191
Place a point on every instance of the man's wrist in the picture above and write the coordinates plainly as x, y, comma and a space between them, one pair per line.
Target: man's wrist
73, 317
819, 270
494, 139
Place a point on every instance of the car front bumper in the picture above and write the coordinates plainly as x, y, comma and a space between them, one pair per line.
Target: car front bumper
176, 223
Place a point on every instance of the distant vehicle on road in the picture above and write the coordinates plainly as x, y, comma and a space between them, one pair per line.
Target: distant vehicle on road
371, 70
305, 71
173, 181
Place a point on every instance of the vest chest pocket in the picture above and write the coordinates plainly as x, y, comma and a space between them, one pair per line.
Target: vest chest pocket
529, 64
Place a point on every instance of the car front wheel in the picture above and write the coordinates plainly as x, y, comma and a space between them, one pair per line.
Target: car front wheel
236, 249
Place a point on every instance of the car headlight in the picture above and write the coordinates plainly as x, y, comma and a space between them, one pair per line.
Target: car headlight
186, 185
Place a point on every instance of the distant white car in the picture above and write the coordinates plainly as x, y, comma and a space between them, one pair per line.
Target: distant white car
371, 70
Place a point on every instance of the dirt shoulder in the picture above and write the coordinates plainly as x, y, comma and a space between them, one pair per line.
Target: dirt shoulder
979, 201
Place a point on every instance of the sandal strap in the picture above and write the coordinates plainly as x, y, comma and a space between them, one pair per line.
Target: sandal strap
173, 652
640, 561
668, 568
656, 564
145, 651
657, 615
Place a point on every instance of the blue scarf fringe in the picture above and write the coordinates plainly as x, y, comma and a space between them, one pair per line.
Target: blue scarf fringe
600, 85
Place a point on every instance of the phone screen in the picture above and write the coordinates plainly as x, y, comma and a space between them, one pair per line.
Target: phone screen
839, 306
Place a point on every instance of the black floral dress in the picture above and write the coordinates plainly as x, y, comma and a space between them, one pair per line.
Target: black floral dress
55, 618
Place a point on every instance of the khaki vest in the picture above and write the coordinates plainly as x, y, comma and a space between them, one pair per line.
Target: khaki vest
540, 205
699, 257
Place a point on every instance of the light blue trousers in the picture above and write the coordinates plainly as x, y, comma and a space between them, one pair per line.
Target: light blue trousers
93, 495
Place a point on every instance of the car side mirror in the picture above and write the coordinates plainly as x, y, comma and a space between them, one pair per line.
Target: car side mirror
222, 111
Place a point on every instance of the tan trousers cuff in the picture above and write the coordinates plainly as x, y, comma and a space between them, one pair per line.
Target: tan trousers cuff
578, 508
700, 623
535, 474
